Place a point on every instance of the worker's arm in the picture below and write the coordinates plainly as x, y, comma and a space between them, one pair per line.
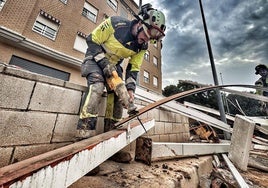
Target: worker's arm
98, 37
132, 71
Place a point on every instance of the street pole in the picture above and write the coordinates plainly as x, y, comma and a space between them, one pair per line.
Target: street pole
216, 82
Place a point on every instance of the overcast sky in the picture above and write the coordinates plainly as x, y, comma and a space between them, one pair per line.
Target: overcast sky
238, 31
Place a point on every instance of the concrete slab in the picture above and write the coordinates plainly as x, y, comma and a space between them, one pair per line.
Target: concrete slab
49, 98
65, 128
148, 151
20, 128
15, 92
241, 141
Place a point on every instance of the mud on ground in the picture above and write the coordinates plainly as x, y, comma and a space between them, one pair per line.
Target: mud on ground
166, 174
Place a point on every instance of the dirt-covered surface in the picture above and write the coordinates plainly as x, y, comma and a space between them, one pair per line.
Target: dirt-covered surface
256, 178
166, 174
135, 174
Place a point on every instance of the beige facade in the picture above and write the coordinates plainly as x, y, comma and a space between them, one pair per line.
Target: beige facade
26, 35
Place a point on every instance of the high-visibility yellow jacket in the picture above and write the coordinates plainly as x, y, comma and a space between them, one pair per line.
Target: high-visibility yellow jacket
114, 37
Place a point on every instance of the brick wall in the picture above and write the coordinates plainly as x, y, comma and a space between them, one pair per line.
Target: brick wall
18, 17
40, 113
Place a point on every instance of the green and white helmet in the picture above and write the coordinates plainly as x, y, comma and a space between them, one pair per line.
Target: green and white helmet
153, 22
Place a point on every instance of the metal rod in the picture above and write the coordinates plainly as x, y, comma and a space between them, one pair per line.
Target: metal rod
216, 82
141, 124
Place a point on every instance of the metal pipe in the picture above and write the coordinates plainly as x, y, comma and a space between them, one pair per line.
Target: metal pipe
216, 82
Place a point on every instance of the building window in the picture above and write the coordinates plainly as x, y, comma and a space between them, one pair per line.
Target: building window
90, 12
147, 56
39, 68
155, 81
2, 3
80, 44
64, 1
45, 27
155, 61
146, 77
112, 4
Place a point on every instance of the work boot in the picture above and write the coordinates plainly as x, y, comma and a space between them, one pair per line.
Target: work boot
86, 128
131, 110
109, 124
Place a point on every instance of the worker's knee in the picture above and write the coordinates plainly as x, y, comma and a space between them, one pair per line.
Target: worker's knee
95, 77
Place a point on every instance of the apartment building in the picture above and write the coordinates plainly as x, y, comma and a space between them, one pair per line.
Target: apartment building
48, 37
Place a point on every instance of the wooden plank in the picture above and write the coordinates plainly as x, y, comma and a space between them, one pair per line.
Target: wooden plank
63, 166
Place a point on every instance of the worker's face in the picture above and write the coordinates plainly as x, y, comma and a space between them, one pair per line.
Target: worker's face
142, 37
263, 72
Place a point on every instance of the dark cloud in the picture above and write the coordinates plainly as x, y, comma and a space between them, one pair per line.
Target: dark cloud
238, 32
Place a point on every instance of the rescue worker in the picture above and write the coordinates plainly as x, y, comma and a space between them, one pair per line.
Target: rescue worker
262, 70
113, 40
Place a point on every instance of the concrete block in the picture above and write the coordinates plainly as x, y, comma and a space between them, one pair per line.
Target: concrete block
155, 138
183, 137
202, 165
33, 76
241, 141
5, 156
159, 128
178, 118
186, 136
164, 115
25, 152
177, 127
15, 92
184, 128
184, 119
168, 128
151, 131
172, 137
51, 98
171, 117
155, 114
65, 128
164, 138
26, 127
144, 116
